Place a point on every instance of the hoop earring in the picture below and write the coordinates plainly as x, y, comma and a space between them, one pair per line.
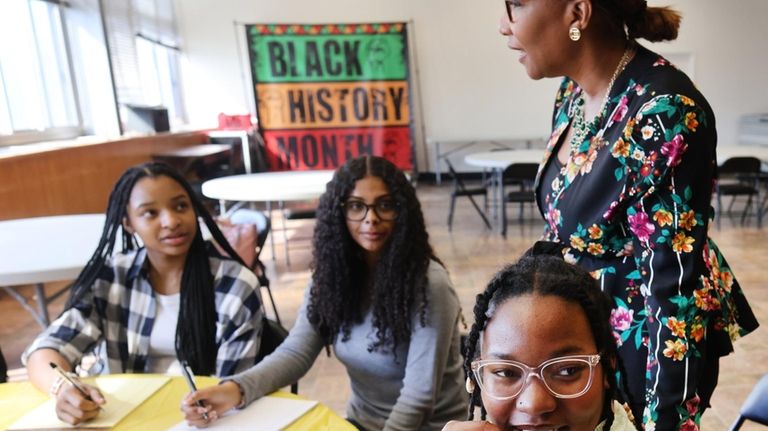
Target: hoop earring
574, 33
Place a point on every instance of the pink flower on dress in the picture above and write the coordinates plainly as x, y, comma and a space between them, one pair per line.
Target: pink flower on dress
689, 425
674, 150
621, 110
608, 215
621, 318
641, 226
692, 405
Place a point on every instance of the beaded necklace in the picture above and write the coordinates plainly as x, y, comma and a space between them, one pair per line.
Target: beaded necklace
579, 124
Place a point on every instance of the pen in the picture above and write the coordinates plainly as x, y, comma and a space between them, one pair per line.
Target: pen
72, 382
191, 383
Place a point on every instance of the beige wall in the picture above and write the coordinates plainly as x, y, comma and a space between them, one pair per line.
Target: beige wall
471, 86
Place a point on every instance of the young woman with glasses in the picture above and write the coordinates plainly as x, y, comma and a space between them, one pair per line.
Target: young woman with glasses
541, 355
380, 298
625, 188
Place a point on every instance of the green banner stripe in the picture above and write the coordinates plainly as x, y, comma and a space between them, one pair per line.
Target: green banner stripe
311, 29
327, 58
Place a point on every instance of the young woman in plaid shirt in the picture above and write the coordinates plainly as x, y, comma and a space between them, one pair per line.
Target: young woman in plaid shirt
146, 308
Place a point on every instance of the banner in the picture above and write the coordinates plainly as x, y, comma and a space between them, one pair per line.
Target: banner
328, 93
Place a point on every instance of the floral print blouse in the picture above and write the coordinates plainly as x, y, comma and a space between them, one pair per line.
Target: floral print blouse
632, 205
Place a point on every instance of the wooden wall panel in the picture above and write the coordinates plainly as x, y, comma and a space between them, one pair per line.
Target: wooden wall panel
76, 179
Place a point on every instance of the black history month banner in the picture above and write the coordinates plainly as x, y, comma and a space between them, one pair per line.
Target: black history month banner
328, 93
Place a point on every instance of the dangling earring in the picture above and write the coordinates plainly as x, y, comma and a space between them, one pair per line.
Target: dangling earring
574, 33
469, 385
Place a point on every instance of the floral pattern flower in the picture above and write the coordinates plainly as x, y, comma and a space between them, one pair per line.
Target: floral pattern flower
687, 220
595, 232
674, 150
677, 327
641, 226
621, 318
620, 148
663, 218
676, 350
681, 243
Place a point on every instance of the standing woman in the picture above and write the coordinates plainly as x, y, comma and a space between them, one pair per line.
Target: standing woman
625, 188
380, 297
145, 308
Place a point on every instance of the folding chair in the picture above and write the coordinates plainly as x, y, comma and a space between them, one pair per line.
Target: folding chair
523, 176
459, 189
3, 368
272, 335
263, 227
739, 176
755, 407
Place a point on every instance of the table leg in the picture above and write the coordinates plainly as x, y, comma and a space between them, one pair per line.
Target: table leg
285, 233
499, 173
42, 303
271, 234
40, 315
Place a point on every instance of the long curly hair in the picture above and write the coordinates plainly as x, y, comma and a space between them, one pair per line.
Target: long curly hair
339, 297
546, 274
196, 327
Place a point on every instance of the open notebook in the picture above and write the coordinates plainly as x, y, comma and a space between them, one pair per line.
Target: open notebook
123, 394
265, 414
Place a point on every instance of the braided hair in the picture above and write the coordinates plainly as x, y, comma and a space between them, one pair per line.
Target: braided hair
196, 327
545, 274
339, 295
654, 24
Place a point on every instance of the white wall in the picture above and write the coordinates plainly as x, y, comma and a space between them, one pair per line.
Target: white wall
471, 86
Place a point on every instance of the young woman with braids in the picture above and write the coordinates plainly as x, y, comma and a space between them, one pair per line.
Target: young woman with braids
541, 354
380, 297
146, 307
625, 187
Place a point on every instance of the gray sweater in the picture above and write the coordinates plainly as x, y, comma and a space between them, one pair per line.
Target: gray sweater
421, 389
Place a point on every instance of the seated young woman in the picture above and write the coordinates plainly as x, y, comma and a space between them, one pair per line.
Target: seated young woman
145, 308
380, 297
541, 354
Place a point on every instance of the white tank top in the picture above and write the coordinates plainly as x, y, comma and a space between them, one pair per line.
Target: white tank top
162, 351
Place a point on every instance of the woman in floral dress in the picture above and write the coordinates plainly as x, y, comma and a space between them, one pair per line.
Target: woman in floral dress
625, 188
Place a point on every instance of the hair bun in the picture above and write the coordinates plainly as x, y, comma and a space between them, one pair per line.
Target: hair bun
545, 248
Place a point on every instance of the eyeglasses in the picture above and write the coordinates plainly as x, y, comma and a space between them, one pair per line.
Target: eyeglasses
356, 210
564, 377
509, 5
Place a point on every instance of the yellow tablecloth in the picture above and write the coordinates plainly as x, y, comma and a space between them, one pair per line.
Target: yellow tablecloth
160, 411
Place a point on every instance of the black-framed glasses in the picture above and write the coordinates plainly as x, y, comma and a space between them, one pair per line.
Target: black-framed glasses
508, 5
357, 210
564, 377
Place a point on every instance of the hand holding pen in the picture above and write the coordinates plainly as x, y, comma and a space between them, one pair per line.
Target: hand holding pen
76, 402
188, 376
204, 406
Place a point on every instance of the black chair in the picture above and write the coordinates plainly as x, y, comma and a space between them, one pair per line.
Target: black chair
272, 336
459, 189
3, 368
522, 176
738, 176
755, 408
263, 226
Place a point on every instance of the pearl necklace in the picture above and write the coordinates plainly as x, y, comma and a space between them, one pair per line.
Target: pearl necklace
579, 124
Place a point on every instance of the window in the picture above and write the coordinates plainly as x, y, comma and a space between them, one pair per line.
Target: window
159, 70
37, 95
